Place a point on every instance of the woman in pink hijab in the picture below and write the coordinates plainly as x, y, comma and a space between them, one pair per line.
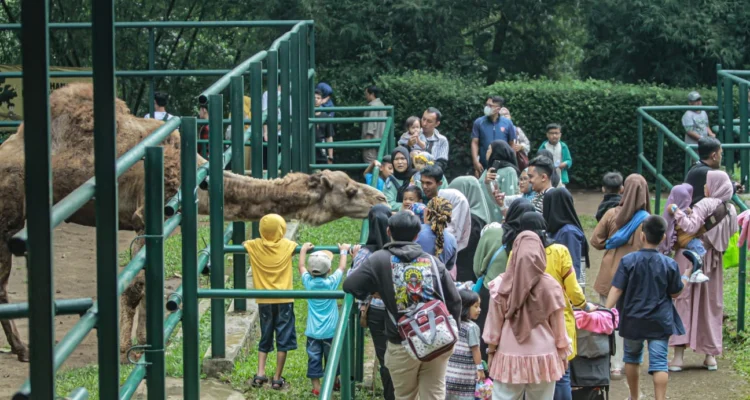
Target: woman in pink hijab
701, 307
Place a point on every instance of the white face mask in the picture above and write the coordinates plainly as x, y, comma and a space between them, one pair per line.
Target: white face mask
487, 111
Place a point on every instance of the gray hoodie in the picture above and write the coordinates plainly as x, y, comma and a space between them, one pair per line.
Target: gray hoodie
376, 275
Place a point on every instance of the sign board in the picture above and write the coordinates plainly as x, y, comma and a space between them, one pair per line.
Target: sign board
11, 92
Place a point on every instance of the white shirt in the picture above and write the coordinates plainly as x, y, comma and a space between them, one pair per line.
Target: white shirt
160, 115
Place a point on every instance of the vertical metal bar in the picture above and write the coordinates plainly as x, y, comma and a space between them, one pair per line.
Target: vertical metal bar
155, 371
105, 156
256, 94
238, 167
720, 100
639, 118
35, 60
741, 292
216, 190
189, 229
311, 52
286, 153
346, 362
359, 350
744, 171
306, 142
728, 124
151, 67
296, 106
659, 165
272, 61
392, 132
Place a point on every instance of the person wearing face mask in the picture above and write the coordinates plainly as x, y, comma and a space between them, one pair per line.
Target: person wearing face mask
487, 129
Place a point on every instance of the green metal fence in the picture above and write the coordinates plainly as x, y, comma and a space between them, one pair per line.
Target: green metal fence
291, 60
725, 133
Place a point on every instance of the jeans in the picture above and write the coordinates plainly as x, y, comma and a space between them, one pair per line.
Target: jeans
657, 354
562, 387
317, 352
376, 323
278, 318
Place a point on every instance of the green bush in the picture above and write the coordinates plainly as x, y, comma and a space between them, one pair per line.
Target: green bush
598, 118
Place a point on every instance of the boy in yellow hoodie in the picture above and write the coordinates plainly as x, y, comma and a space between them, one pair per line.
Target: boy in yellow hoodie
271, 262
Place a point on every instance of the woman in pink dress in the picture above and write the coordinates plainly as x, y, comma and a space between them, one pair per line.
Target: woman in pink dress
525, 328
701, 307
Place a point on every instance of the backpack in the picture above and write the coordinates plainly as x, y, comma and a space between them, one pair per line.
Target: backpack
717, 216
429, 330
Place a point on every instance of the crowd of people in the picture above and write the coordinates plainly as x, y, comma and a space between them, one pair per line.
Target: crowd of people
504, 255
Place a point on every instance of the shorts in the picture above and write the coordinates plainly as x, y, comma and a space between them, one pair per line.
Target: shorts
277, 318
317, 351
657, 354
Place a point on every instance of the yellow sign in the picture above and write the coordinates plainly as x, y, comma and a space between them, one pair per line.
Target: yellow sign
11, 91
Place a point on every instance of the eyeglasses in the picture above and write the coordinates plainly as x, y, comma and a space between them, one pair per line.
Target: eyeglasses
490, 105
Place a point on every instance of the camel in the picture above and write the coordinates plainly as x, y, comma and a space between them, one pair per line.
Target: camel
313, 199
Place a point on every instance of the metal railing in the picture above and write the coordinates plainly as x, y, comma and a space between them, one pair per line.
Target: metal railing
725, 109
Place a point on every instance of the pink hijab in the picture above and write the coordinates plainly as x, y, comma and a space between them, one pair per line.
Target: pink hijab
720, 190
681, 195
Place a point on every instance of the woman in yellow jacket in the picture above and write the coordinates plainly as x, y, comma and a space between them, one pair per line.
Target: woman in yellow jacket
560, 267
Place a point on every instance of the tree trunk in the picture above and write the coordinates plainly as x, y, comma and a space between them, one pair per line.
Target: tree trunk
495, 59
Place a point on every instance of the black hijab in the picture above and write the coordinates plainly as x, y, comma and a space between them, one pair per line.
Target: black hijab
378, 224
535, 222
555, 178
558, 210
404, 177
504, 155
512, 224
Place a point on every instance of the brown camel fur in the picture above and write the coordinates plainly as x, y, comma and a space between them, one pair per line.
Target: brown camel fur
313, 199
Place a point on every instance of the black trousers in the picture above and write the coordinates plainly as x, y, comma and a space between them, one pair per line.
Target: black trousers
376, 323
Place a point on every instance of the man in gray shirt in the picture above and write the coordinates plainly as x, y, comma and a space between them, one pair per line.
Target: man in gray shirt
695, 122
373, 130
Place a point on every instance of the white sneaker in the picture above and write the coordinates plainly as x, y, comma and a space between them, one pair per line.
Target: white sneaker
698, 277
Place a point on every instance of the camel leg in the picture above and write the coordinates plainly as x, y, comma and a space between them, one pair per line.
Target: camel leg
140, 332
129, 302
11, 333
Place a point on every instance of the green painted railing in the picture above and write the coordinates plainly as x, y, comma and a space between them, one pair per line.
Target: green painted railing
725, 108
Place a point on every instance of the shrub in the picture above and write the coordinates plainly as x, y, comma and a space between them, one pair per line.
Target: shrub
598, 118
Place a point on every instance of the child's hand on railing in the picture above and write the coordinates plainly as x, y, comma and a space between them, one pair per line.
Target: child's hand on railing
344, 248
306, 247
355, 249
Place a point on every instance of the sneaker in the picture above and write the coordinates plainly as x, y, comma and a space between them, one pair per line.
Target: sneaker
698, 277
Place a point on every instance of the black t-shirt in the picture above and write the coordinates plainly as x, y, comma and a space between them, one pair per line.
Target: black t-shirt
323, 132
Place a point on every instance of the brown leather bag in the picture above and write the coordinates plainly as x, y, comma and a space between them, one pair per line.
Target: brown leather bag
523, 160
363, 313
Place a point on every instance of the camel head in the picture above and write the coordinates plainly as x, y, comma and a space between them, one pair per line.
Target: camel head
340, 196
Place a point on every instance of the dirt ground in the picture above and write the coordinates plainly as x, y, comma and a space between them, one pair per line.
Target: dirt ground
694, 382
75, 276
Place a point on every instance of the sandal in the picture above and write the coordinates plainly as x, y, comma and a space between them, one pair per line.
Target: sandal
259, 381
674, 368
316, 392
278, 384
616, 374
711, 367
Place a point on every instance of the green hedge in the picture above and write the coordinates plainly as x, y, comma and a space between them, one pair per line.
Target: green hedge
598, 118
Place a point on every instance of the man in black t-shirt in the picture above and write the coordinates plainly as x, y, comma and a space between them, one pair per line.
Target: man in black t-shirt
323, 133
710, 153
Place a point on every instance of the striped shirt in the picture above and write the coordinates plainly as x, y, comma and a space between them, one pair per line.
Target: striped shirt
538, 201
437, 145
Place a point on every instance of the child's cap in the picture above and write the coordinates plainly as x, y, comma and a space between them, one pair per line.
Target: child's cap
319, 262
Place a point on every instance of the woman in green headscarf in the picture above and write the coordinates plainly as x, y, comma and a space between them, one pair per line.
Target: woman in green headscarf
480, 216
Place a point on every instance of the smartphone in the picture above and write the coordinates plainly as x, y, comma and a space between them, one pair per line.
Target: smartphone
493, 186
496, 165
492, 170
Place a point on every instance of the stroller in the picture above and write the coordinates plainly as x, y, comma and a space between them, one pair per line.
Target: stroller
589, 370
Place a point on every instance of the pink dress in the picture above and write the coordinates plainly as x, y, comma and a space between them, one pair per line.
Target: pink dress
701, 306
537, 360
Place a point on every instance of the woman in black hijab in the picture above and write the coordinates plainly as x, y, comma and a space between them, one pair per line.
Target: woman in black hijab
373, 309
565, 228
400, 179
512, 224
535, 222
504, 155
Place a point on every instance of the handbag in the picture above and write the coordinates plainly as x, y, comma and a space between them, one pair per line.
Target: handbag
429, 330
363, 313
523, 160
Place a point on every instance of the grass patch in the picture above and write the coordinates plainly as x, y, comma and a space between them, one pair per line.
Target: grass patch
737, 345
295, 370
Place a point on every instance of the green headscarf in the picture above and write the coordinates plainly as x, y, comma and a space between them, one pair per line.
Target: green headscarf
489, 245
471, 188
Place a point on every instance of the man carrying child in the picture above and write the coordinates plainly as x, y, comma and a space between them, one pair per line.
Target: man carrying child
643, 287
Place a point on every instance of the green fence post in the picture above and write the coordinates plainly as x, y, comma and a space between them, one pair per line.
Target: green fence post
151, 67
296, 105
346, 362
359, 348
659, 167
640, 143
189, 229
272, 118
256, 93
305, 139
238, 167
35, 60
286, 125
155, 371
744, 167
216, 189
728, 124
719, 100
105, 156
